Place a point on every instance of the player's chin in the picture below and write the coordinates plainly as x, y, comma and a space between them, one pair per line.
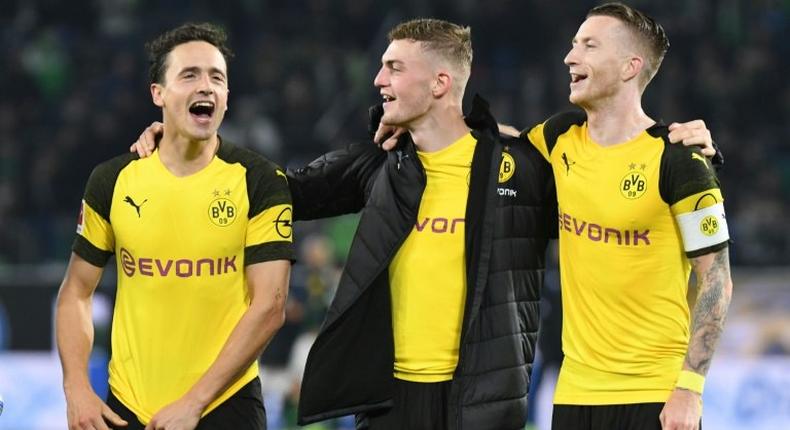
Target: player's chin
203, 133
391, 120
576, 97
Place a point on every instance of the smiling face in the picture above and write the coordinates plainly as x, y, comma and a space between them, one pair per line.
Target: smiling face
404, 81
597, 60
194, 92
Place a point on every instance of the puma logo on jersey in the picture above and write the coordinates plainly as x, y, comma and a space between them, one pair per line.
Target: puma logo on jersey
135, 205
695, 156
568, 163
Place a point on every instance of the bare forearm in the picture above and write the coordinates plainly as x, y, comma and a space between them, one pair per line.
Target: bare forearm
253, 332
74, 332
710, 311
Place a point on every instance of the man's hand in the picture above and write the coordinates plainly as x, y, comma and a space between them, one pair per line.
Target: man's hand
183, 414
387, 136
682, 411
693, 133
508, 130
146, 143
86, 411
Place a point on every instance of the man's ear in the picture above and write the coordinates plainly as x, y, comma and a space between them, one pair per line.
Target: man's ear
632, 67
442, 84
156, 94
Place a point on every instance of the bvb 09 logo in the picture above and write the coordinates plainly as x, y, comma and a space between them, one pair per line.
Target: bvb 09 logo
222, 212
506, 168
709, 225
633, 185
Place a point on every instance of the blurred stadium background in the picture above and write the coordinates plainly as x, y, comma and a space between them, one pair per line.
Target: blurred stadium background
74, 93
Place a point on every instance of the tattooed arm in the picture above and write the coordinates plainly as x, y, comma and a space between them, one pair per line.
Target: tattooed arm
714, 286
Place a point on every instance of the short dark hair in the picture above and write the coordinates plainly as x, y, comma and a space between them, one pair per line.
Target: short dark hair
647, 31
159, 48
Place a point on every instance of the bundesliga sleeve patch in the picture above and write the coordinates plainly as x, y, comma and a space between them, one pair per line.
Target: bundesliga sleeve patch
703, 228
94, 228
81, 218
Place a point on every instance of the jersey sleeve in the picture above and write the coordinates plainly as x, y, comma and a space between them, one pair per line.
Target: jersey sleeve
689, 185
544, 136
95, 240
270, 228
535, 136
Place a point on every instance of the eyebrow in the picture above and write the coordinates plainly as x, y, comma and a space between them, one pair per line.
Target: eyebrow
584, 39
195, 69
392, 63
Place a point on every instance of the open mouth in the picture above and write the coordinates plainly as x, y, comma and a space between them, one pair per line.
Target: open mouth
387, 98
577, 77
202, 110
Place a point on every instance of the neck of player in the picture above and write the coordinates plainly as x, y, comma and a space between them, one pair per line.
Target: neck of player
439, 128
184, 156
617, 120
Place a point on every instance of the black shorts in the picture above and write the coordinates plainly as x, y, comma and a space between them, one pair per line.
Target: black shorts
416, 406
243, 410
637, 416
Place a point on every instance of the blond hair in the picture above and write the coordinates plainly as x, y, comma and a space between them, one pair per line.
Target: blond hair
452, 42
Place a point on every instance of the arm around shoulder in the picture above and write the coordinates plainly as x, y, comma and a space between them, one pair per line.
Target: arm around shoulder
335, 183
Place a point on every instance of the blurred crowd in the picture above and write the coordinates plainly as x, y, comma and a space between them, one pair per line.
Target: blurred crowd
74, 91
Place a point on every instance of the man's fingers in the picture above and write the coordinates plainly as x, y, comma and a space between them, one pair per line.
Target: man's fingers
708, 151
148, 141
112, 417
382, 132
697, 123
508, 130
99, 424
390, 144
679, 134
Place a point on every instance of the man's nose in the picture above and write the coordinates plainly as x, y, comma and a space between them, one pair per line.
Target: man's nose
204, 87
570, 58
380, 80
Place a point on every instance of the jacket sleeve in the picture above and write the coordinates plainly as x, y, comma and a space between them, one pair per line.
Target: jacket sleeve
335, 183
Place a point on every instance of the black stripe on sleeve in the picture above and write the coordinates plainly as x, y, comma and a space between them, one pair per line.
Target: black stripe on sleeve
684, 171
269, 251
91, 254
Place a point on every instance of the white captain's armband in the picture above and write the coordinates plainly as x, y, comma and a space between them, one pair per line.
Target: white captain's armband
703, 228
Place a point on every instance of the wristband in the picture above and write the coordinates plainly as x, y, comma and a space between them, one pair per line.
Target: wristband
690, 381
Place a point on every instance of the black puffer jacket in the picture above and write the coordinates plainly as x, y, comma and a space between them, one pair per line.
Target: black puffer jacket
508, 224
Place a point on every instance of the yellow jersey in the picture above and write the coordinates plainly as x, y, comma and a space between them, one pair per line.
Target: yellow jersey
428, 273
624, 257
181, 245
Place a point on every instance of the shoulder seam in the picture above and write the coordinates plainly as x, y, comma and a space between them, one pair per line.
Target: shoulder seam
106, 174
558, 124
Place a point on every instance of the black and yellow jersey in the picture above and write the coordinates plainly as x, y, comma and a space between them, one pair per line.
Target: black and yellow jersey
630, 217
428, 273
181, 245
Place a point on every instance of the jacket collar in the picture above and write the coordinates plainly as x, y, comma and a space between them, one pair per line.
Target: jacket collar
480, 118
